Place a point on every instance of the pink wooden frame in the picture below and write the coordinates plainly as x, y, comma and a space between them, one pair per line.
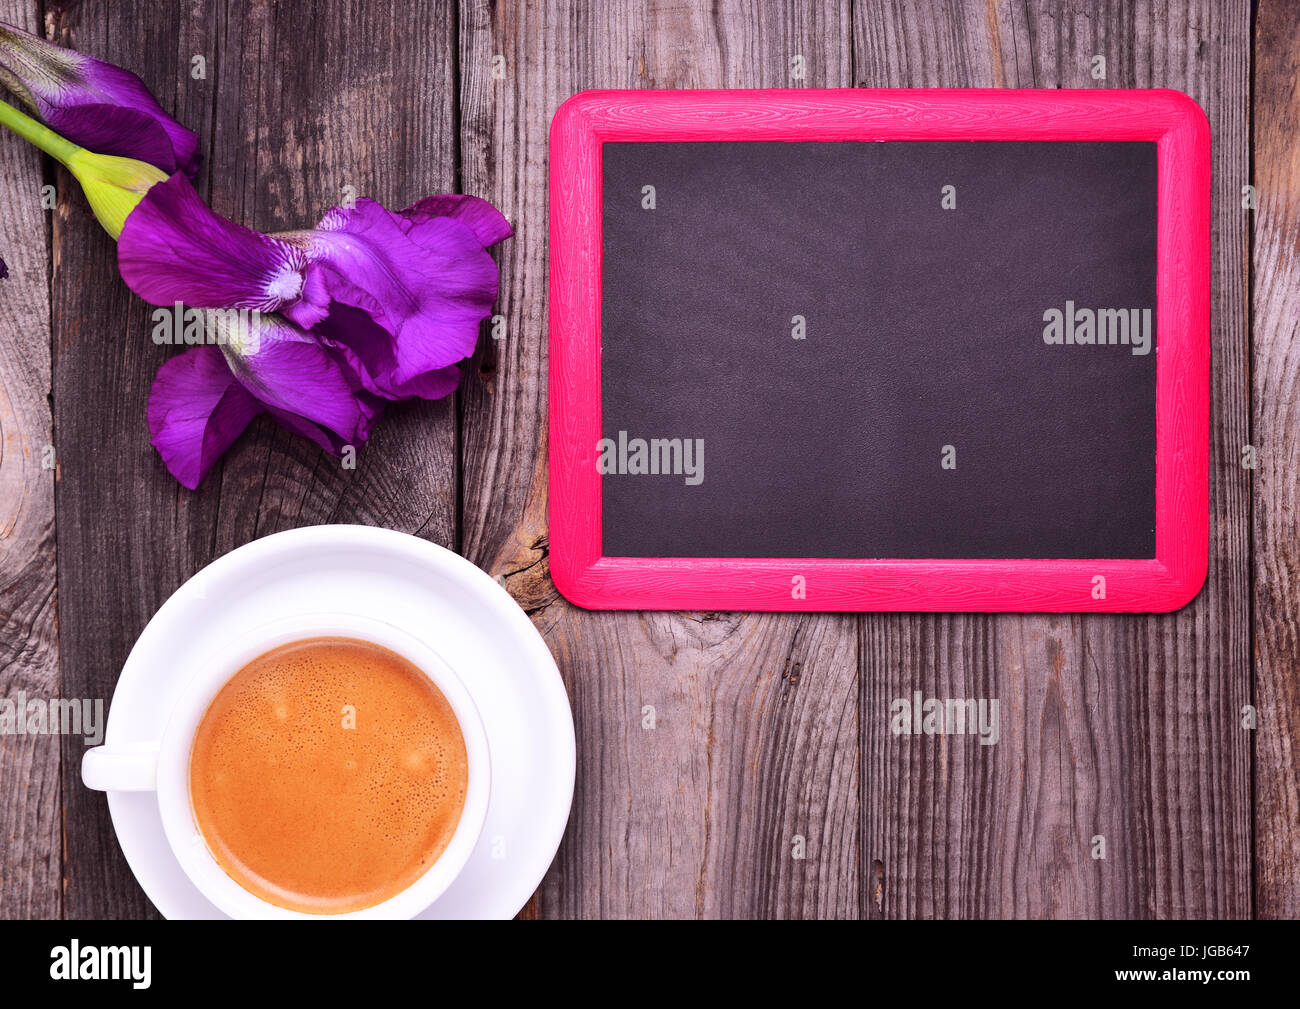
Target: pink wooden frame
1170, 580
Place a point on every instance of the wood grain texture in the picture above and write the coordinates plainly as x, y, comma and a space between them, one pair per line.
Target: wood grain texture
1276, 436
755, 716
1121, 726
125, 539
30, 829
767, 726
288, 118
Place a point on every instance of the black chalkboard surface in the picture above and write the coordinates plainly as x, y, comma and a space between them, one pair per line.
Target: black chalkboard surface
880, 349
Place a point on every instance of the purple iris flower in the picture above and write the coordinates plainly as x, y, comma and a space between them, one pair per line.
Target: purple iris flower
202, 399
319, 328
94, 104
371, 305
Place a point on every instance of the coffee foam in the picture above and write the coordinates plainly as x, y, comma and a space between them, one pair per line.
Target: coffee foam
310, 813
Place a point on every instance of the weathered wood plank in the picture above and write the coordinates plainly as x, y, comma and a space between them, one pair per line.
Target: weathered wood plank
358, 109
1121, 726
755, 737
299, 101
1276, 375
30, 856
126, 537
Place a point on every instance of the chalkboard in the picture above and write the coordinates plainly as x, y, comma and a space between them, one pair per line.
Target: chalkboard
894, 349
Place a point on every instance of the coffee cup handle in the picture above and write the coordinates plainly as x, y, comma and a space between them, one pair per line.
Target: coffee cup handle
127, 767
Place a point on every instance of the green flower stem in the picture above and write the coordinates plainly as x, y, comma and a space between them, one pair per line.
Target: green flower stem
34, 133
113, 186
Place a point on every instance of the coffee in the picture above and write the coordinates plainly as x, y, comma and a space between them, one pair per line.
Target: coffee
328, 775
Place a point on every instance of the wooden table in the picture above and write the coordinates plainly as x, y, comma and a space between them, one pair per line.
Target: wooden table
768, 726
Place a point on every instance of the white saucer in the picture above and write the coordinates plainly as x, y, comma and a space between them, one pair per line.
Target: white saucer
429, 592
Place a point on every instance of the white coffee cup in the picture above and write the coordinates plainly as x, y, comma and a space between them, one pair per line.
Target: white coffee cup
164, 766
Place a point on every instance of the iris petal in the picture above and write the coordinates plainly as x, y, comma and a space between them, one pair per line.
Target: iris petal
427, 282
123, 132
488, 224
429, 385
196, 411
370, 352
173, 248
331, 441
202, 399
294, 373
78, 96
